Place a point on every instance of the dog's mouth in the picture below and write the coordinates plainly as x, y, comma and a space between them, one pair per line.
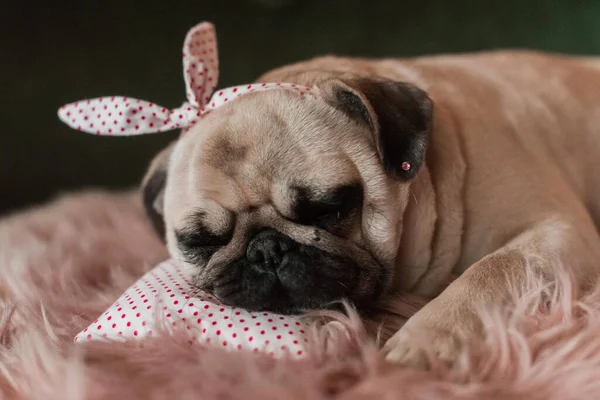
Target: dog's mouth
280, 275
304, 278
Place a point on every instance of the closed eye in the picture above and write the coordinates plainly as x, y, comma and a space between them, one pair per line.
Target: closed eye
197, 243
325, 210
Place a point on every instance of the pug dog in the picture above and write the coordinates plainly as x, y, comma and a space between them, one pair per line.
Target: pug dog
398, 175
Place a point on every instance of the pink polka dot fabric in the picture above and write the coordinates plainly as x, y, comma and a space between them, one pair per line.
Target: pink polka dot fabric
124, 116
165, 297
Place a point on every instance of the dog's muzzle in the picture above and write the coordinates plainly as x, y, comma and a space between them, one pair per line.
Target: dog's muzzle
278, 274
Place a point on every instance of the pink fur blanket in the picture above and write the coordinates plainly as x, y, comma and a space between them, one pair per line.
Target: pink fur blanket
62, 264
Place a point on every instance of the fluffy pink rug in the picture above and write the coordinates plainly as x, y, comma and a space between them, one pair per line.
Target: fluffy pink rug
62, 264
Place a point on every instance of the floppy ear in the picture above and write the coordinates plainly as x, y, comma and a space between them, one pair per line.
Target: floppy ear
399, 115
153, 190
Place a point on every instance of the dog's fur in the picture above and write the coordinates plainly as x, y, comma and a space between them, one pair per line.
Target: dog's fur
504, 149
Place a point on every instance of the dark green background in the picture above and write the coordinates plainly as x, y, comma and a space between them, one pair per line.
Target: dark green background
70, 50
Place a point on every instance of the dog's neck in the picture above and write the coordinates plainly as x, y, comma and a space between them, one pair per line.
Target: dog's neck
433, 220
418, 233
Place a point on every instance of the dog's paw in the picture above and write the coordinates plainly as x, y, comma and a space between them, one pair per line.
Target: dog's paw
418, 348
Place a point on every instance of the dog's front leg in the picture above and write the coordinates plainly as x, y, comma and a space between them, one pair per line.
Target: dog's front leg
452, 317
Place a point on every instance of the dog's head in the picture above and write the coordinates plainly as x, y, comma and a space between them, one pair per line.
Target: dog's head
286, 202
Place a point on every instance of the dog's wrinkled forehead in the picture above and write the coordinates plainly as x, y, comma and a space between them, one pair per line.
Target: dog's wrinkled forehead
255, 150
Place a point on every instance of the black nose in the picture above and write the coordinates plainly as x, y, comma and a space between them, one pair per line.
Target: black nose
268, 248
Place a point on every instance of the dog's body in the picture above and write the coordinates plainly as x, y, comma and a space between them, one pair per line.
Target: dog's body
510, 182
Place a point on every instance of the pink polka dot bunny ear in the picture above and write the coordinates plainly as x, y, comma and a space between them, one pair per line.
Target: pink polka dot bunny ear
123, 116
200, 64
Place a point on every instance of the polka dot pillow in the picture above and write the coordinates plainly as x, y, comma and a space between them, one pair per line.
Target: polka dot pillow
165, 297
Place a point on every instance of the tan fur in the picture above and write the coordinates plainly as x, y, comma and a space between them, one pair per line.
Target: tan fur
511, 175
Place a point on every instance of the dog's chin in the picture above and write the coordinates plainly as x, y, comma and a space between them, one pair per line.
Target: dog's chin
305, 279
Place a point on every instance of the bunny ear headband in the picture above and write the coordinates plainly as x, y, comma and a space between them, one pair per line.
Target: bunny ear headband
125, 116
